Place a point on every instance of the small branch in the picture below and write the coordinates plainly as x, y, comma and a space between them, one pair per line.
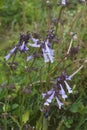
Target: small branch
85, 61
23, 15
38, 82
76, 71
70, 46
58, 19
60, 125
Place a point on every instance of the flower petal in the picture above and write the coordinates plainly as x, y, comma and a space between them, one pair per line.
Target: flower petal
49, 100
22, 46
46, 59
13, 50
30, 58
68, 87
63, 2
7, 56
50, 53
34, 45
62, 92
43, 95
59, 103
34, 40
50, 91
46, 104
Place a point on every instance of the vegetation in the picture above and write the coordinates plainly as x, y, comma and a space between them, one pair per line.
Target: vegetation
42, 52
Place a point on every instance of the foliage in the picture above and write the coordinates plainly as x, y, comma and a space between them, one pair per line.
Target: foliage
22, 83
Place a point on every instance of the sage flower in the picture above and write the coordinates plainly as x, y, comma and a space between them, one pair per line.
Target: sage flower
11, 52
59, 103
68, 87
48, 53
48, 92
30, 57
62, 92
23, 47
49, 99
7, 56
35, 42
46, 58
63, 2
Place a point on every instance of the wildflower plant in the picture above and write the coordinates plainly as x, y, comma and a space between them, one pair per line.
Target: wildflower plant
38, 73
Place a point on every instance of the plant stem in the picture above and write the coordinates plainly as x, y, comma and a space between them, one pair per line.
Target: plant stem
5, 122
70, 46
58, 19
23, 16
76, 71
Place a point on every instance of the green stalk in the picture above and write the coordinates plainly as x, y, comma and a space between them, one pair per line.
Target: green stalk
58, 19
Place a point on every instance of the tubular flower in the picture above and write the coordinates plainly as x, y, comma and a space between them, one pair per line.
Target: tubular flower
58, 92
62, 92
48, 53
11, 52
30, 57
63, 2
23, 40
23, 47
49, 96
35, 41
49, 100
59, 103
61, 80
68, 87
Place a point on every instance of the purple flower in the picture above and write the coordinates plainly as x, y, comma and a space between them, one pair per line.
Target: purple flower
11, 52
35, 42
46, 58
49, 93
62, 92
34, 45
61, 82
49, 99
46, 104
68, 77
30, 57
48, 53
49, 96
7, 56
63, 2
58, 91
68, 87
23, 47
59, 103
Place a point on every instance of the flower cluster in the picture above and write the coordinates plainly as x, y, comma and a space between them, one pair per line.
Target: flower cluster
58, 91
21, 46
45, 46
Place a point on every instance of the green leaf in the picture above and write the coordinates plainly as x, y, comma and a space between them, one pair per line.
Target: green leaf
25, 117
14, 106
16, 121
39, 123
68, 122
45, 123
76, 107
